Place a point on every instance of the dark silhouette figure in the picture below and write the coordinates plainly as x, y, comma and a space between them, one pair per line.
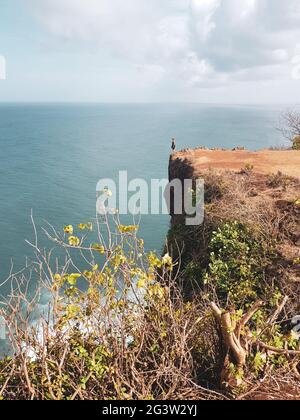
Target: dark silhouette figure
173, 145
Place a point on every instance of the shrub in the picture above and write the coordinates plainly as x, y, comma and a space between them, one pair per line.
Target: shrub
296, 143
237, 264
278, 180
248, 169
116, 328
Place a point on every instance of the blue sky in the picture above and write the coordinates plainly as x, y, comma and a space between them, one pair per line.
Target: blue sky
217, 51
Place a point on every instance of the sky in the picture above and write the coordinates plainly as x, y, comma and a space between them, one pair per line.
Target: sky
207, 51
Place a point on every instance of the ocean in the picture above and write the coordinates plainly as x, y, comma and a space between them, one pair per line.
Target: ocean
52, 155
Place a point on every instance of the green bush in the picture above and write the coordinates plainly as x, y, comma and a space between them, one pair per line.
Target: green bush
237, 264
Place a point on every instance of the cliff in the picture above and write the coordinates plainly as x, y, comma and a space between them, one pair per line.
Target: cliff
195, 161
245, 254
258, 189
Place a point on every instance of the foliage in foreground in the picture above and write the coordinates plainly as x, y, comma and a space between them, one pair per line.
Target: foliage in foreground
119, 329
118, 326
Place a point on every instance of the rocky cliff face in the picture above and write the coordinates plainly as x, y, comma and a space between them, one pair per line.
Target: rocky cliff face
180, 168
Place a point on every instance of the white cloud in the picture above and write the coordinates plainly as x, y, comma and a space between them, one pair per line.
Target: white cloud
194, 42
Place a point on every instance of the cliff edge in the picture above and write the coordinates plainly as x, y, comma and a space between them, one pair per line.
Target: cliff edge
260, 190
246, 254
263, 162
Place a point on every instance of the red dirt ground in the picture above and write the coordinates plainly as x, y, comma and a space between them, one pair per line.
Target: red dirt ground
265, 161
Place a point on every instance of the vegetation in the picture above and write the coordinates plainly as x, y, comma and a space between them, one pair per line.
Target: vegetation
210, 319
290, 128
244, 259
117, 329
296, 143
237, 265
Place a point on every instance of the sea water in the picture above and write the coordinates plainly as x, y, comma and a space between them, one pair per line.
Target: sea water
52, 156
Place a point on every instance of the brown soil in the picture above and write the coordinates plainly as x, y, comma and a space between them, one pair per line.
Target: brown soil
265, 161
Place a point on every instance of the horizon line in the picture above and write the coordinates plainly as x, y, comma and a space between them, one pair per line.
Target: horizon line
59, 102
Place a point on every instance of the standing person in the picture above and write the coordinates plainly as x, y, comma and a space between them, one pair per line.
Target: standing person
173, 145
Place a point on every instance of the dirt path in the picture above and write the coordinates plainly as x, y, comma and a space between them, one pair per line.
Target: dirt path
265, 161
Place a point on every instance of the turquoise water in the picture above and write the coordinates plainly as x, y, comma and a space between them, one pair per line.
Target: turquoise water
51, 157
